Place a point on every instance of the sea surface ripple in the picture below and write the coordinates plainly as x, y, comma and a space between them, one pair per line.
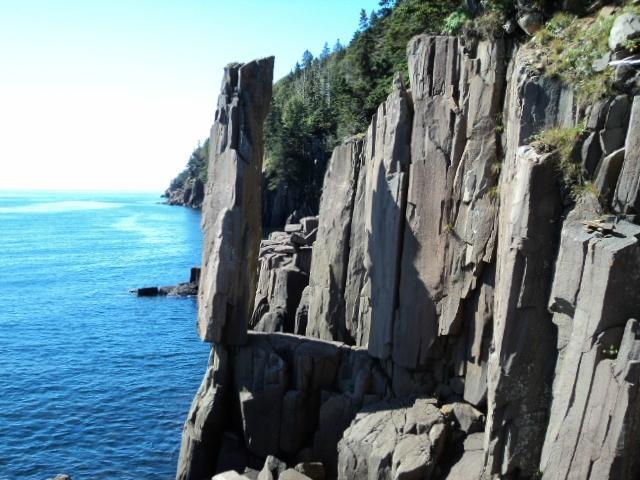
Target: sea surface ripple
94, 382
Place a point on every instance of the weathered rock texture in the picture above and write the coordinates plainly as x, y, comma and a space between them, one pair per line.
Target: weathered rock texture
285, 261
463, 318
231, 212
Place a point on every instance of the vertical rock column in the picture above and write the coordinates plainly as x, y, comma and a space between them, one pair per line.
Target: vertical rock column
385, 203
520, 371
377, 225
438, 130
331, 249
450, 214
231, 209
232, 225
521, 364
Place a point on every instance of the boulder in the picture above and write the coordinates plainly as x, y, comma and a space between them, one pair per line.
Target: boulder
469, 419
531, 22
147, 292
625, 27
383, 441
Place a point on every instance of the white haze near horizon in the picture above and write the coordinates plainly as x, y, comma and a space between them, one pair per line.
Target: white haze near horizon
115, 94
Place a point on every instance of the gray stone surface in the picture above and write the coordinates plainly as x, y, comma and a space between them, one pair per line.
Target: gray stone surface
522, 361
391, 440
608, 174
331, 252
482, 287
470, 419
606, 299
627, 195
284, 274
231, 212
202, 432
313, 470
450, 208
625, 27
471, 465
272, 468
378, 220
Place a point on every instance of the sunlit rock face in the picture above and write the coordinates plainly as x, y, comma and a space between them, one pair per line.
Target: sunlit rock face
231, 209
452, 312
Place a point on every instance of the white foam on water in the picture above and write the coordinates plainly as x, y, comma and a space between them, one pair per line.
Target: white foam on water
133, 224
60, 207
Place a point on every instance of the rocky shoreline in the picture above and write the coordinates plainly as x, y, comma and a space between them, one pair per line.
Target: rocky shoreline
185, 289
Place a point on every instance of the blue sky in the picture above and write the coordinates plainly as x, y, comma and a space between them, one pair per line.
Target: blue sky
114, 94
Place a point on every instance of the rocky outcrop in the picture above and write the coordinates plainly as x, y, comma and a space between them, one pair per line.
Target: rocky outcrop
185, 289
231, 217
583, 426
190, 194
468, 314
285, 261
398, 439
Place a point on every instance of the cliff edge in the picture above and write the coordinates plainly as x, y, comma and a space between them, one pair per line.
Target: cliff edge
470, 310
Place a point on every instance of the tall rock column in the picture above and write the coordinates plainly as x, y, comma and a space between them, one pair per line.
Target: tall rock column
438, 131
384, 206
520, 370
331, 249
231, 208
450, 215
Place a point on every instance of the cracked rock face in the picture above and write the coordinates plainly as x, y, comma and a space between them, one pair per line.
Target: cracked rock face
392, 440
460, 320
231, 209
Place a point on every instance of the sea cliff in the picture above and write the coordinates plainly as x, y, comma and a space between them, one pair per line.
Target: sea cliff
469, 310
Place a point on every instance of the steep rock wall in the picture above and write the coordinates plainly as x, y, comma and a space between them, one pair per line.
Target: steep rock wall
460, 320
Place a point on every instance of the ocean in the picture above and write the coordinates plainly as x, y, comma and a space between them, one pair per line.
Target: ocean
95, 382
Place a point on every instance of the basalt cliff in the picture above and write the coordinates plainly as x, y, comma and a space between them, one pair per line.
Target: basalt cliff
455, 311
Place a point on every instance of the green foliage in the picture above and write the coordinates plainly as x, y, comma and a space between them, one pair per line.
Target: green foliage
562, 142
610, 352
455, 21
329, 98
196, 167
633, 45
569, 46
488, 25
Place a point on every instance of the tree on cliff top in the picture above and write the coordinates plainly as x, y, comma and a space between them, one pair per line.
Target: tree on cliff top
333, 96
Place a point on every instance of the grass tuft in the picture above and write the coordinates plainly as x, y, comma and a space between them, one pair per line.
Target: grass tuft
562, 143
568, 47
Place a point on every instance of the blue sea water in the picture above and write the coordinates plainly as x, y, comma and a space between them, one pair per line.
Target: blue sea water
94, 382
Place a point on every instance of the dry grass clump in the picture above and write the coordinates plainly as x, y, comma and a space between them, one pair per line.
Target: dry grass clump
562, 143
569, 46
